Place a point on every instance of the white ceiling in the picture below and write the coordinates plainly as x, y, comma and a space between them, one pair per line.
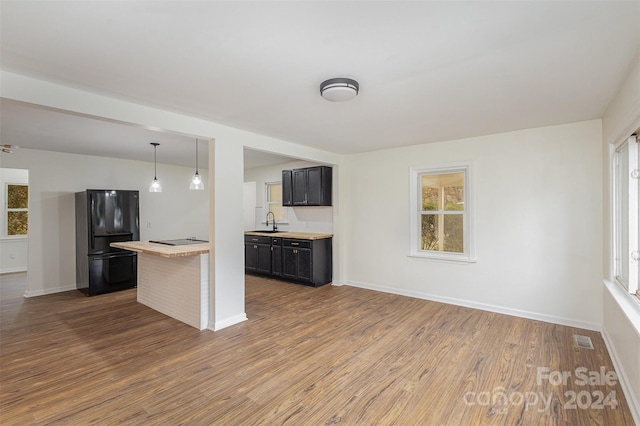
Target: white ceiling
38, 128
428, 71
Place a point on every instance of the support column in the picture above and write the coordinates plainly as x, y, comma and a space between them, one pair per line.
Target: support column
226, 272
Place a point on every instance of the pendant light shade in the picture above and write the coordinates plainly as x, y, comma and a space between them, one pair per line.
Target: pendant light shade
196, 180
155, 184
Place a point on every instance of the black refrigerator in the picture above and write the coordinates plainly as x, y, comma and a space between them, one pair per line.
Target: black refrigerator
104, 217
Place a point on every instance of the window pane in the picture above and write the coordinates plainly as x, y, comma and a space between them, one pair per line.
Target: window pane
429, 240
453, 235
17, 223
623, 215
443, 191
454, 194
430, 194
277, 210
17, 196
442, 232
275, 192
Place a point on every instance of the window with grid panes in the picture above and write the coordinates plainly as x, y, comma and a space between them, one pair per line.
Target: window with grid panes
17, 209
274, 201
441, 212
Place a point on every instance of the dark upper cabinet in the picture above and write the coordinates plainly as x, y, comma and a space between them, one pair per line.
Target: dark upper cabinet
287, 183
299, 187
319, 186
310, 186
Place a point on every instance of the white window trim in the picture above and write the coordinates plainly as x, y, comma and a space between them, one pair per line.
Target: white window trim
632, 286
469, 255
285, 210
6, 210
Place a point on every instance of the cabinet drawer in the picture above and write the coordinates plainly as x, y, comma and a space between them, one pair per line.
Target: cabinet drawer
257, 239
296, 243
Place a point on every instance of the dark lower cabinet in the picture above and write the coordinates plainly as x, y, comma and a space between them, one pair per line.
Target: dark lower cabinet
307, 262
297, 264
276, 257
257, 255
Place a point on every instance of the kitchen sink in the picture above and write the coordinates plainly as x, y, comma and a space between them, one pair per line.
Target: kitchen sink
266, 231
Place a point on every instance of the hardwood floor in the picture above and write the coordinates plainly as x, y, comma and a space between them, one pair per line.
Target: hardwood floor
331, 355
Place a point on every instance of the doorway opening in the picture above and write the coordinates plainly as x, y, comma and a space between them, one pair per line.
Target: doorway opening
14, 229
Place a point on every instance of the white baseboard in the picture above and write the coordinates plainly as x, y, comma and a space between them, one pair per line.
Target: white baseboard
13, 270
632, 398
45, 291
482, 306
219, 325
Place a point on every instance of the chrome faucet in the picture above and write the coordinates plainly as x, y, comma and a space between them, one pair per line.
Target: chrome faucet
275, 226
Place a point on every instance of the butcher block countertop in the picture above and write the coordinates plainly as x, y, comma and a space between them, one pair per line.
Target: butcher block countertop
163, 249
296, 235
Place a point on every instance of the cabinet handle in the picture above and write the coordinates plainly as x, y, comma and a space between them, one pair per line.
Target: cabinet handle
254, 239
255, 247
295, 244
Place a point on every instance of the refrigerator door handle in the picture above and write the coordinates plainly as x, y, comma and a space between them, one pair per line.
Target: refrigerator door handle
112, 256
91, 236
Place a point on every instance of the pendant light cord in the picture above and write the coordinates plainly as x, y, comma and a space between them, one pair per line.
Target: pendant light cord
155, 162
196, 155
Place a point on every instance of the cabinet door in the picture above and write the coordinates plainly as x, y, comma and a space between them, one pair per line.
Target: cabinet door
264, 258
289, 262
250, 257
287, 186
299, 187
276, 260
304, 264
314, 186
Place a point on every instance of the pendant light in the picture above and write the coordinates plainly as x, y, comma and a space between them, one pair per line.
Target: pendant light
155, 185
196, 180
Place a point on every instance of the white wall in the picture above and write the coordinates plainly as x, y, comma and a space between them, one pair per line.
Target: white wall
54, 178
300, 219
538, 224
621, 318
13, 250
249, 205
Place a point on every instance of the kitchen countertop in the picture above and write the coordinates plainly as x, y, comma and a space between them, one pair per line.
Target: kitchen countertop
287, 234
163, 249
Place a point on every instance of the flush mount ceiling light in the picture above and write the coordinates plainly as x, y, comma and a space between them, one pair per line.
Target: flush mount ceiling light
196, 180
339, 89
155, 185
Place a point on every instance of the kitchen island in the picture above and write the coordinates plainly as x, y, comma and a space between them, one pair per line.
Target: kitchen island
173, 280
